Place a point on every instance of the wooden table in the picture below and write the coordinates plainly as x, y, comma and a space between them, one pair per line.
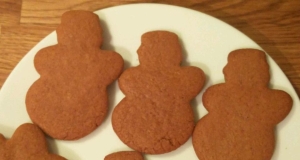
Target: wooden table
273, 24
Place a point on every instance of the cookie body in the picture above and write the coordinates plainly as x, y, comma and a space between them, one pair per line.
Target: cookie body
243, 111
156, 117
28, 142
125, 155
69, 100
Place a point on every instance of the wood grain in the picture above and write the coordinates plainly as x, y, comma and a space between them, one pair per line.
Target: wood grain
273, 24
10, 11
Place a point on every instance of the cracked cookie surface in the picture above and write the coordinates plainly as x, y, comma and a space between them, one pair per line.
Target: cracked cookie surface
155, 116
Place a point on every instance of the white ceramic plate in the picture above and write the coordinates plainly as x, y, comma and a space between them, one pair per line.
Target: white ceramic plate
206, 43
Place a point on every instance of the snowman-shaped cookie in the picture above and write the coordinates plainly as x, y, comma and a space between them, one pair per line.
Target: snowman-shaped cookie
156, 117
243, 111
69, 100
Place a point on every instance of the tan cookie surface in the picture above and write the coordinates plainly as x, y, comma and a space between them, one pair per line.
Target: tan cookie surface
69, 100
156, 116
125, 155
243, 111
28, 143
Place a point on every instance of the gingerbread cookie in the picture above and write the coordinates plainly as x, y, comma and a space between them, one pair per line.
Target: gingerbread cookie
243, 111
156, 117
28, 142
69, 100
125, 155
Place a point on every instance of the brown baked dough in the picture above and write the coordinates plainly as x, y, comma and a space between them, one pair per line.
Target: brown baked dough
243, 111
70, 100
28, 143
156, 117
125, 155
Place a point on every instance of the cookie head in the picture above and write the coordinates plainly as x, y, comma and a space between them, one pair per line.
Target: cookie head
28, 142
160, 48
247, 66
84, 29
